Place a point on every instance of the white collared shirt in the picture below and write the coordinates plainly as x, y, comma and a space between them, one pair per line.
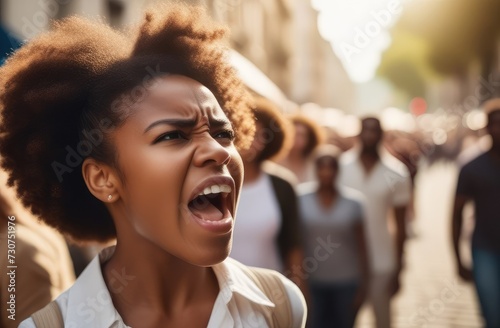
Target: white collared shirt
240, 303
386, 186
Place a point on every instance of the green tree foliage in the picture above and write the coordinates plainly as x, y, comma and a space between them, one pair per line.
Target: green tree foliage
443, 36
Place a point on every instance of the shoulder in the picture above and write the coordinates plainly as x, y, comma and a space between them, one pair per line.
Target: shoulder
282, 185
394, 166
279, 174
349, 157
297, 301
306, 189
397, 178
352, 196
294, 296
249, 278
352, 201
28, 323
475, 163
61, 301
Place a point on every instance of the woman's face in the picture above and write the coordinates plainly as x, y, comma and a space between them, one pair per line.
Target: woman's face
326, 171
181, 172
301, 137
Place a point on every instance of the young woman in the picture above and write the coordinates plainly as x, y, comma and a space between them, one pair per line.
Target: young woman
134, 138
267, 232
308, 136
331, 216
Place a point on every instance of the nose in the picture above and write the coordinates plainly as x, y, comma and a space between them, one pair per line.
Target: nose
210, 151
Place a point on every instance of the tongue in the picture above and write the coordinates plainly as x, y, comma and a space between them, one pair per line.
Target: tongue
203, 209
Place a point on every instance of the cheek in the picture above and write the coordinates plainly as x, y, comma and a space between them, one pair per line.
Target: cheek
368, 138
154, 182
300, 140
326, 174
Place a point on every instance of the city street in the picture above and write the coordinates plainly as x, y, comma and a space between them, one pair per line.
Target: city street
431, 294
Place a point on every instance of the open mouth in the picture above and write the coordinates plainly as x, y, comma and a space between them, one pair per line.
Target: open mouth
212, 203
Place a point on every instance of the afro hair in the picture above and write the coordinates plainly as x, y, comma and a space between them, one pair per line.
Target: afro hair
276, 130
65, 82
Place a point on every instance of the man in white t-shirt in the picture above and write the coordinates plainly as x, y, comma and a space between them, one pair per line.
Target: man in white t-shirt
385, 186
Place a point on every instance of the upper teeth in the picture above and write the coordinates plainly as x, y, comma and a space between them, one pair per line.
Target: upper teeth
215, 189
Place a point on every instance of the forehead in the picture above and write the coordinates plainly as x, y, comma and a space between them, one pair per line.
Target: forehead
299, 126
371, 124
326, 160
180, 96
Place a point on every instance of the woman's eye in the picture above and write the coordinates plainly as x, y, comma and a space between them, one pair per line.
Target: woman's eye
170, 136
227, 134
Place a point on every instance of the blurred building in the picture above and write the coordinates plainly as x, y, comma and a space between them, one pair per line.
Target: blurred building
27, 18
282, 39
261, 30
279, 36
317, 73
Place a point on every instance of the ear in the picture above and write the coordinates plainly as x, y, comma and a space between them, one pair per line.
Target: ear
101, 180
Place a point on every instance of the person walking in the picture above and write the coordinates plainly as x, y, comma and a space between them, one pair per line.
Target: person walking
479, 182
385, 185
339, 282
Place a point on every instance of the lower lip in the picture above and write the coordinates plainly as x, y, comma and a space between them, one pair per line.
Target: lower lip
220, 227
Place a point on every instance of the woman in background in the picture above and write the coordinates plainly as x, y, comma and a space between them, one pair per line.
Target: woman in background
308, 136
330, 216
267, 232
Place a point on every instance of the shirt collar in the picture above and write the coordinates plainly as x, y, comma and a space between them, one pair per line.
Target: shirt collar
90, 303
232, 279
89, 300
352, 155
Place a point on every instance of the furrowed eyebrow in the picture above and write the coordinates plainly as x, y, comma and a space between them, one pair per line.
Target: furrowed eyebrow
183, 123
220, 123
189, 123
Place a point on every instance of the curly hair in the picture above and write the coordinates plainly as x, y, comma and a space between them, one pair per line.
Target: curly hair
277, 131
62, 93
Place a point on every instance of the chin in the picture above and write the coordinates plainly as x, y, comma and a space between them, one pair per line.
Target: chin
208, 260
209, 255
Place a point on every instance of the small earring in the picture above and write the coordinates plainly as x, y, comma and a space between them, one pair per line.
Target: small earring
110, 197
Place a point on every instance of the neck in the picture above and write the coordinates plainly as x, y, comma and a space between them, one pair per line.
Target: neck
329, 189
370, 152
327, 195
369, 158
295, 155
140, 275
